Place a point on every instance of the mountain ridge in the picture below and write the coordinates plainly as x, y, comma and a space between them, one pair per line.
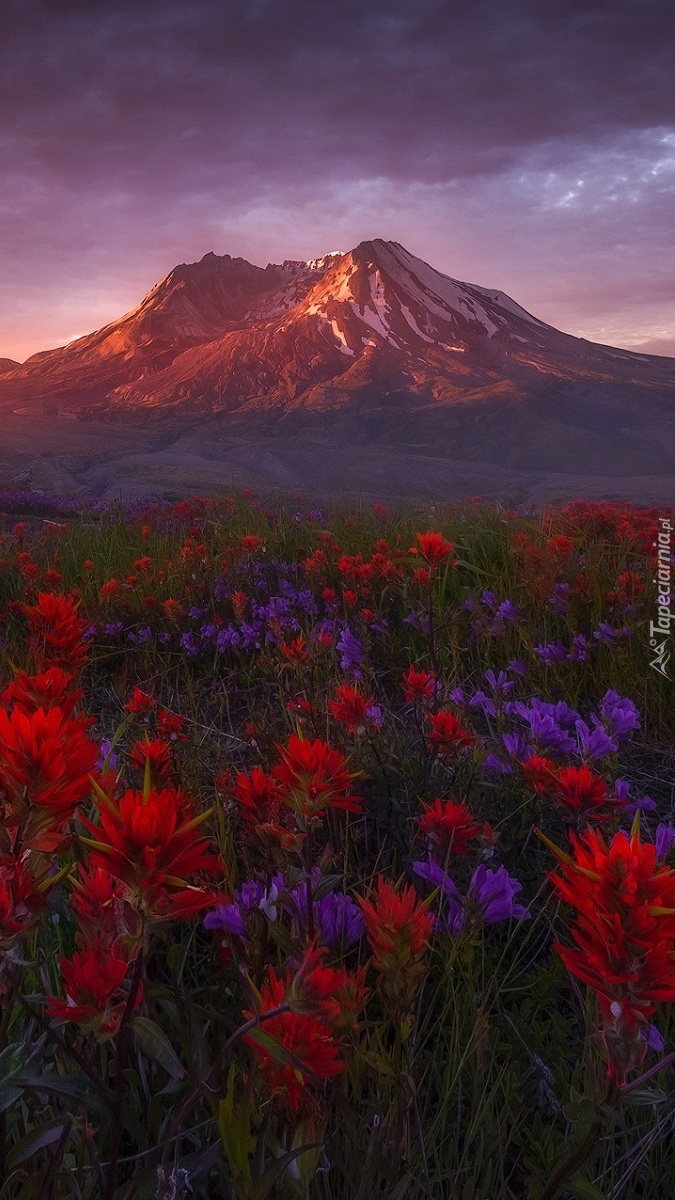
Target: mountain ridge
372, 340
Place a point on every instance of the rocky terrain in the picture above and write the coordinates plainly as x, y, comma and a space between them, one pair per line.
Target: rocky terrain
367, 372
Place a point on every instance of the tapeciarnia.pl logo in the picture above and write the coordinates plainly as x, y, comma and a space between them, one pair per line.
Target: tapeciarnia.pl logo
659, 630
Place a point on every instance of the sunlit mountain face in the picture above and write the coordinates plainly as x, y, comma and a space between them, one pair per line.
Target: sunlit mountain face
372, 346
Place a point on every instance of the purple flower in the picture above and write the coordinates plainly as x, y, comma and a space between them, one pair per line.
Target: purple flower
653, 1038
500, 683
606, 633
664, 840
106, 757
493, 892
594, 743
517, 667
496, 766
517, 745
552, 652
352, 653
620, 714
559, 598
580, 649
227, 917
336, 916
480, 700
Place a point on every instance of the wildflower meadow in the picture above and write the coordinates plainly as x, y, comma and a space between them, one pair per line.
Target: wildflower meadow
337, 853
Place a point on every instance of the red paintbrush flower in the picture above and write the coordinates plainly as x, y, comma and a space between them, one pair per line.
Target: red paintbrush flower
398, 925
308, 1038
314, 777
21, 898
450, 827
95, 993
433, 548
55, 632
155, 752
448, 734
418, 685
150, 843
350, 707
51, 689
295, 652
45, 761
624, 934
140, 702
540, 773
581, 791
99, 903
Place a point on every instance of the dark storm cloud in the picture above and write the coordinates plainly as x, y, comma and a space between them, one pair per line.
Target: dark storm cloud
123, 123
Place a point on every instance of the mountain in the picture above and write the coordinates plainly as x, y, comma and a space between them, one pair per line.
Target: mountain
8, 364
372, 347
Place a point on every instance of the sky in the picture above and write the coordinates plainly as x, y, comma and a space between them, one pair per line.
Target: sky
514, 144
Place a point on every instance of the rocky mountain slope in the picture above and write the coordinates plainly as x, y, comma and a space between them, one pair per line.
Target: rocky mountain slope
370, 348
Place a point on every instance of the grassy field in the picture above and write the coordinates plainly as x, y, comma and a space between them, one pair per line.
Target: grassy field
335, 853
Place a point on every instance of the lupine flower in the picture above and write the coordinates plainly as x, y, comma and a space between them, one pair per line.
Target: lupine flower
620, 714
490, 896
594, 743
308, 1038
448, 734
664, 839
553, 652
336, 917
95, 996
352, 652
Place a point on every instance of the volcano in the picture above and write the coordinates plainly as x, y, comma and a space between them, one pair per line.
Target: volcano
369, 353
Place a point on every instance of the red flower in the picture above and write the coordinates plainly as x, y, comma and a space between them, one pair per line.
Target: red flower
351, 707
580, 790
451, 827
398, 927
250, 543
154, 751
21, 898
433, 548
448, 733
624, 934
140, 702
314, 776
55, 632
540, 773
306, 1037
45, 761
98, 901
295, 652
151, 844
52, 689
94, 985
418, 685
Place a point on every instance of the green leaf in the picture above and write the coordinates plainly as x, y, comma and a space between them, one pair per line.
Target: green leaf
584, 1189
75, 1087
276, 1169
36, 1140
153, 1041
646, 1096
